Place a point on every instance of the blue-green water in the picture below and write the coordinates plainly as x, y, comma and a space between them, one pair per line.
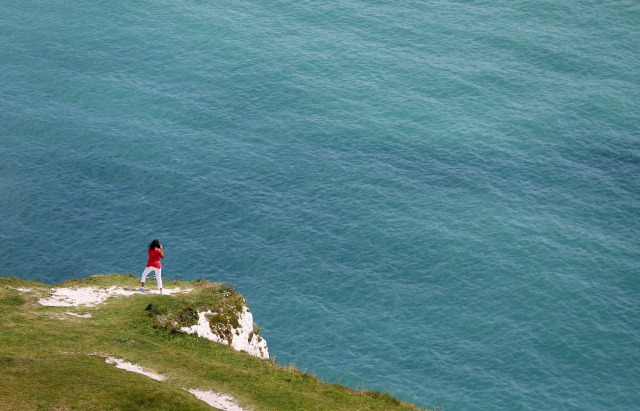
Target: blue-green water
436, 199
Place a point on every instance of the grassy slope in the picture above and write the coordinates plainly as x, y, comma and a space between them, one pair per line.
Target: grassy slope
51, 360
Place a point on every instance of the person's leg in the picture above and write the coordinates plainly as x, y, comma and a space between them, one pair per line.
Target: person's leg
159, 278
145, 273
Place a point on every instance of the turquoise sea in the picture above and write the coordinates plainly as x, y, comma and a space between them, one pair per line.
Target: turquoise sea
436, 199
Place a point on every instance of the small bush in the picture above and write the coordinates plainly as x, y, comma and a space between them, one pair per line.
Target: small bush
222, 300
172, 319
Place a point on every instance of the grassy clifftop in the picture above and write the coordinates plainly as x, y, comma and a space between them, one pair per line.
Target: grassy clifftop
53, 358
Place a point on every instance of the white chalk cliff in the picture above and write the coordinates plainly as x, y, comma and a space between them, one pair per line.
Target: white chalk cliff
243, 338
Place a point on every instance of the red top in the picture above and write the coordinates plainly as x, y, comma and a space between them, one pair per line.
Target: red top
154, 258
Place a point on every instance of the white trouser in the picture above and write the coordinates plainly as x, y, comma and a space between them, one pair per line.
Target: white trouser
158, 271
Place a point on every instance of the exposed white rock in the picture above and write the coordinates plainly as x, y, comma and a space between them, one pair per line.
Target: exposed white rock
79, 315
90, 296
243, 338
125, 365
69, 297
219, 401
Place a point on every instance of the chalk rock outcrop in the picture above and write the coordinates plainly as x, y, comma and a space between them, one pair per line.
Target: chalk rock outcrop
241, 336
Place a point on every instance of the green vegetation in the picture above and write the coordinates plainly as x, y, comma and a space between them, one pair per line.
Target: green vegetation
181, 310
50, 360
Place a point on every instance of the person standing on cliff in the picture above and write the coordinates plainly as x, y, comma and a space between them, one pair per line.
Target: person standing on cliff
155, 252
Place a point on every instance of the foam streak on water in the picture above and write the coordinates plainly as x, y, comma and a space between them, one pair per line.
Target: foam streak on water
437, 199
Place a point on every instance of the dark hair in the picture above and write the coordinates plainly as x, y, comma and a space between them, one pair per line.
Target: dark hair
154, 244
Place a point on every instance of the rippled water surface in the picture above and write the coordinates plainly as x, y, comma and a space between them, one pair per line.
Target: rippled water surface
436, 199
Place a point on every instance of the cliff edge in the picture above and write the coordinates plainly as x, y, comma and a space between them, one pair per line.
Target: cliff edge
98, 343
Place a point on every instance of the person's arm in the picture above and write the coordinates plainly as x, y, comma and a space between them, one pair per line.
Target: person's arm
161, 252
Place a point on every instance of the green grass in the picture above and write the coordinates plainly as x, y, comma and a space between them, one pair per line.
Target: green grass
53, 361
